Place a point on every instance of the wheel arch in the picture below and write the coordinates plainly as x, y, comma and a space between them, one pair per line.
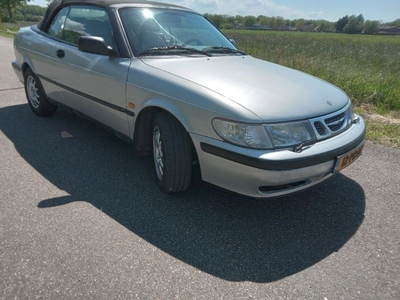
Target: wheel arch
142, 136
27, 64
24, 67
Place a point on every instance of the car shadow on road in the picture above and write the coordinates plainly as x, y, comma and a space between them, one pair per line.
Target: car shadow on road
225, 235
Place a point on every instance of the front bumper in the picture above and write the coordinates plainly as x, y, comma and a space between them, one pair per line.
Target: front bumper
262, 174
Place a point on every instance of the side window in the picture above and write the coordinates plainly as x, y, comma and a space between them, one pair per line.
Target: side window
87, 20
58, 24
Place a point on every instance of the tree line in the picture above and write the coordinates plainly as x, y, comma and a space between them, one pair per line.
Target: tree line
347, 24
17, 10
29, 13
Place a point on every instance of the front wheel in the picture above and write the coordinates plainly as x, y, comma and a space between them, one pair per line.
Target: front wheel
172, 153
36, 97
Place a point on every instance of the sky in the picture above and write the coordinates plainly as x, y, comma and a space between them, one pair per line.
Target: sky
332, 10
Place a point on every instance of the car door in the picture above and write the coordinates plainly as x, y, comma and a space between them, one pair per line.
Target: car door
90, 83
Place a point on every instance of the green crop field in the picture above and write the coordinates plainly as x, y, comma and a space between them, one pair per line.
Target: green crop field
366, 67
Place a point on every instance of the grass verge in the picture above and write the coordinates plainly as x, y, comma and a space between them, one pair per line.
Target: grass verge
8, 31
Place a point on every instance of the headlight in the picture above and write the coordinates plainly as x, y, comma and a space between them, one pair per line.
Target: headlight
351, 117
242, 134
290, 134
264, 136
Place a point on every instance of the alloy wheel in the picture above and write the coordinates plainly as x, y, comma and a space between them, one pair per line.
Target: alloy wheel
32, 91
158, 153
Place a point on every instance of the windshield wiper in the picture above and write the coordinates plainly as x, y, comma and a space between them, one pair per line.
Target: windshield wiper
223, 50
162, 50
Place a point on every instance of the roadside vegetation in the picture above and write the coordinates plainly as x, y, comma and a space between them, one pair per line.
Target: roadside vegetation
348, 24
9, 29
16, 10
366, 67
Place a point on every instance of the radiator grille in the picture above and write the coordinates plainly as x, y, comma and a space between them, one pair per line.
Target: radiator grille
332, 124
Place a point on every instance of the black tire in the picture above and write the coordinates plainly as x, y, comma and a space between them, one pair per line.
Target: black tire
35, 95
172, 154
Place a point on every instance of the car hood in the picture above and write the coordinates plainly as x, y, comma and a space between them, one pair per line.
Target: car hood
271, 91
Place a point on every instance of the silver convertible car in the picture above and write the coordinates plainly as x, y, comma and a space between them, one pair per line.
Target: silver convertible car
165, 79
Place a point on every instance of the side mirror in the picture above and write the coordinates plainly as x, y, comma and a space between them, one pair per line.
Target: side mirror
233, 42
95, 45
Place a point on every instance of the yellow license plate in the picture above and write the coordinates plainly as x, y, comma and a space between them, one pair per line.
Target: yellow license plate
347, 159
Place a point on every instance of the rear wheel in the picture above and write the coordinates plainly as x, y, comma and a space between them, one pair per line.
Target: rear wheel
36, 97
172, 154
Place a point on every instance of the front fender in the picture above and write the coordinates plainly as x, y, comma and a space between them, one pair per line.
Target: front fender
180, 110
192, 104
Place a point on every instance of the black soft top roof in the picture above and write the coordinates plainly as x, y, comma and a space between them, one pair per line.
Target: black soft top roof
57, 5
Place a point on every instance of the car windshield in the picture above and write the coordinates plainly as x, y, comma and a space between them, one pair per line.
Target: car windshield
156, 31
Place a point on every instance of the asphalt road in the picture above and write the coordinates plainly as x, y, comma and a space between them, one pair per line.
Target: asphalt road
82, 218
